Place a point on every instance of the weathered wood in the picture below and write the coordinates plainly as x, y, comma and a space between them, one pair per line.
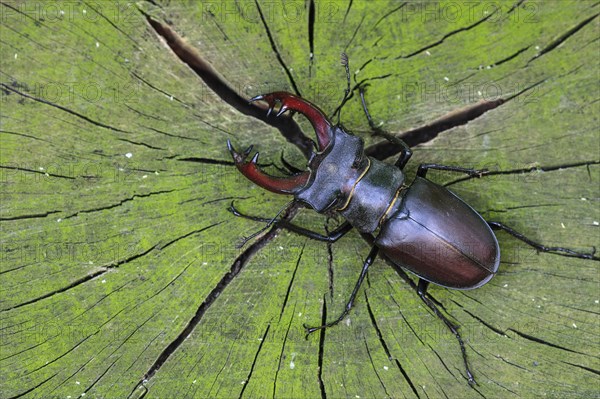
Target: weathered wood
120, 273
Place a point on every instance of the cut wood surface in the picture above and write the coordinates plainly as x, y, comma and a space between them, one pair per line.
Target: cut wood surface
121, 275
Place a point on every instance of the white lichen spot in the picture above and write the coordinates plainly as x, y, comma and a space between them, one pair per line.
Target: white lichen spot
243, 382
479, 93
77, 382
82, 394
446, 78
204, 263
348, 322
41, 168
292, 364
596, 223
596, 301
386, 368
171, 98
299, 314
46, 174
562, 225
156, 172
280, 248
537, 47
488, 67
129, 155
574, 325
145, 177
427, 52
59, 220
97, 44
84, 11
16, 55
583, 199
193, 382
103, 281
505, 285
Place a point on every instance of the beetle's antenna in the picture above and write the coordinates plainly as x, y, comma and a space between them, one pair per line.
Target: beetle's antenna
346, 64
244, 240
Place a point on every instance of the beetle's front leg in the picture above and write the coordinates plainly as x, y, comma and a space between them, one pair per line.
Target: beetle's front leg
405, 152
333, 236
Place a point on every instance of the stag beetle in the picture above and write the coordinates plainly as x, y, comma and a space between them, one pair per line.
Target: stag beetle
421, 226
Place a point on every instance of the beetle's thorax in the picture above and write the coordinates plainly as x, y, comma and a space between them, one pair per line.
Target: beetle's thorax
334, 172
344, 179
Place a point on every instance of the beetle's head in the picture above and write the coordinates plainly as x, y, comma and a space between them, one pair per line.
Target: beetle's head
295, 183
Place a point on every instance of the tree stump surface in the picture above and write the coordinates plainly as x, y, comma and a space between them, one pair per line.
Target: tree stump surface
121, 275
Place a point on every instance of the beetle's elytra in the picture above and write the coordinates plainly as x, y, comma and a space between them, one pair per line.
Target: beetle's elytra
421, 226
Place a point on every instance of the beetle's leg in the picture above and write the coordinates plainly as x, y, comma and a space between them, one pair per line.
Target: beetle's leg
368, 262
424, 168
405, 152
333, 236
541, 247
422, 291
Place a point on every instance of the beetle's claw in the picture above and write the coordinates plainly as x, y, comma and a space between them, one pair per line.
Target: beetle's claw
272, 99
480, 172
471, 380
282, 110
256, 98
240, 158
308, 330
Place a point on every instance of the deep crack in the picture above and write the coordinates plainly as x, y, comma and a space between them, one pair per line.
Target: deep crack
217, 83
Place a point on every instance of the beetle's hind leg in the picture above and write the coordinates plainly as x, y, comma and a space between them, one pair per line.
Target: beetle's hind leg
333, 236
422, 291
368, 262
541, 247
